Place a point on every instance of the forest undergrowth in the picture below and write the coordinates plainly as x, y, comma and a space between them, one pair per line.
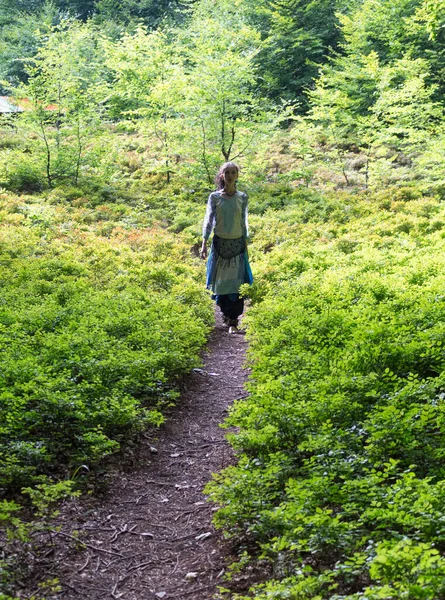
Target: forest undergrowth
102, 311
339, 485
339, 482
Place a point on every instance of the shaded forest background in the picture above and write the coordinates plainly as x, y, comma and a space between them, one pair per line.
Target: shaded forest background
205, 82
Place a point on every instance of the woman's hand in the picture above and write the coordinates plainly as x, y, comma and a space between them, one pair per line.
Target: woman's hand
203, 251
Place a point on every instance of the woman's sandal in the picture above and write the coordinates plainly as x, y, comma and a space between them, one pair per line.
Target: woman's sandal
233, 325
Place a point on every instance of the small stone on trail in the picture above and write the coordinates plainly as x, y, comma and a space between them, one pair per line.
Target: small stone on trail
174, 455
182, 486
161, 594
203, 536
191, 575
153, 450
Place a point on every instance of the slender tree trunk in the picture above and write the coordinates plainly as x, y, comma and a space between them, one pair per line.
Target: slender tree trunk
59, 115
79, 151
339, 154
368, 152
167, 159
232, 139
204, 152
48, 155
343, 169
223, 132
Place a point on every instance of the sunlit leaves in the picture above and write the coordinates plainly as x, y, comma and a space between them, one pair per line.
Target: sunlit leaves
347, 405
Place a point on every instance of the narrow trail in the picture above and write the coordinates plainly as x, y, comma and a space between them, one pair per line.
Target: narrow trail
151, 535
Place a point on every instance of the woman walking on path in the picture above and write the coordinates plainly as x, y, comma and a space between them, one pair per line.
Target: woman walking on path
228, 266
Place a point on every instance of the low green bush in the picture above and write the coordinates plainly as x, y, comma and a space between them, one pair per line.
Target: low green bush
340, 482
23, 176
93, 331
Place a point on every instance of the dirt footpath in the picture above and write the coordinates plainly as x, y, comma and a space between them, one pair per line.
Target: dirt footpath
150, 536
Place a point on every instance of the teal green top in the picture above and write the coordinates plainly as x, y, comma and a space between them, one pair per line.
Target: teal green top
226, 215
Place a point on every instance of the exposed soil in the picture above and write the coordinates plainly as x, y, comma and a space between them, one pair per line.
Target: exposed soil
150, 536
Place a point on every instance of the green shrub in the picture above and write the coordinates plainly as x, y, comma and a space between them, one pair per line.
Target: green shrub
9, 141
93, 332
340, 480
24, 177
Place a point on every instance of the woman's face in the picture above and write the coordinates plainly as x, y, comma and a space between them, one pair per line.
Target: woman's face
230, 175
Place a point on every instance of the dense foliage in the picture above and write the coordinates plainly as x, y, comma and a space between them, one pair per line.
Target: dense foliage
340, 478
297, 37
97, 318
365, 78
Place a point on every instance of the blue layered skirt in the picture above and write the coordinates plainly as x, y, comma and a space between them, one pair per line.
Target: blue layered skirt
228, 266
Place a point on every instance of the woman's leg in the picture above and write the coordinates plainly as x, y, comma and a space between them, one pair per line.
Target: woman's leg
232, 306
